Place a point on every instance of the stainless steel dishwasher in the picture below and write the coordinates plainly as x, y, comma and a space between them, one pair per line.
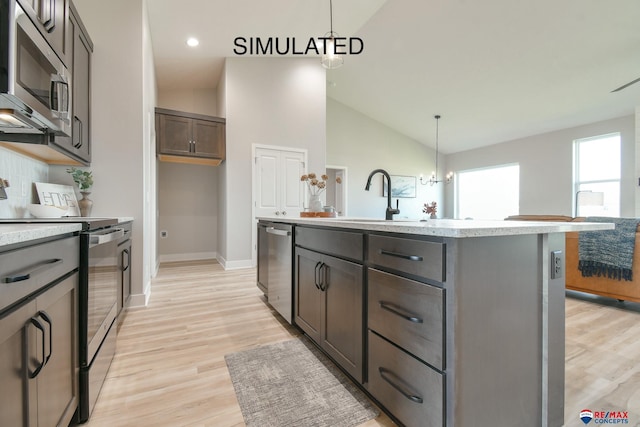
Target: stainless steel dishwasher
280, 268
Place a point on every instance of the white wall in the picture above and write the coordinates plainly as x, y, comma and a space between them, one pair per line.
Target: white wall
201, 101
546, 166
272, 101
362, 145
122, 101
188, 211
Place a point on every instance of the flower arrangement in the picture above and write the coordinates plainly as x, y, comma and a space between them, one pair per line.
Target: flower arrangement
316, 186
431, 209
83, 179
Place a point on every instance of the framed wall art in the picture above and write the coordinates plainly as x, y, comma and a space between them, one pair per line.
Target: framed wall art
401, 186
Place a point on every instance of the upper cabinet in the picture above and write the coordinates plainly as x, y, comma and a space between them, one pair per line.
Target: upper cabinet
189, 138
82, 50
60, 24
51, 18
78, 145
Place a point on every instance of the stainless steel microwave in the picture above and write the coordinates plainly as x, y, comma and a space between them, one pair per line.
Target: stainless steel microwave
35, 85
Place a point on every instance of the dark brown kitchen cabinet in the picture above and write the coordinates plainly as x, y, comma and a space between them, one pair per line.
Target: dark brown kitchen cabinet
82, 50
51, 17
328, 306
38, 359
189, 138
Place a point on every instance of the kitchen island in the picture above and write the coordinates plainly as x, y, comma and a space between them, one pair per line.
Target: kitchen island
443, 322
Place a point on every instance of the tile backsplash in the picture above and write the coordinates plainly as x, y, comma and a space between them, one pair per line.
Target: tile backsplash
21, 172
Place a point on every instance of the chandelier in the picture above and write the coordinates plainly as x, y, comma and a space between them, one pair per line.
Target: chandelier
433, 179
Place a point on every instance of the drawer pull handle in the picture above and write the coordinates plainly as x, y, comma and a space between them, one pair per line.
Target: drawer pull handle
403, 256
386, 374
398, 311
26, 275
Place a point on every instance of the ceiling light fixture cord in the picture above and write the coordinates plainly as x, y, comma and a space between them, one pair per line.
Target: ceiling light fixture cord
437, 117
331, 16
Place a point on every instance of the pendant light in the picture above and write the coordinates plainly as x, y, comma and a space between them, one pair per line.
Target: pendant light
331, 59
433, 179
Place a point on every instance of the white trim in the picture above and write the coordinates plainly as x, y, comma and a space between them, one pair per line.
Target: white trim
344, 189
194, 256
234, 265
141, 300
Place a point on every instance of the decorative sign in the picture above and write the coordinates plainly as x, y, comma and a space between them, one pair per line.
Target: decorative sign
58, 195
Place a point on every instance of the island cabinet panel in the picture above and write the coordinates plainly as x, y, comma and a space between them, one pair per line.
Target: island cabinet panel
408, 256
408, 313
460, 327
329, 303
413, 394
343, 244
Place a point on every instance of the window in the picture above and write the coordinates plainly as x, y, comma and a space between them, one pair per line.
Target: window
597, 170
491, 193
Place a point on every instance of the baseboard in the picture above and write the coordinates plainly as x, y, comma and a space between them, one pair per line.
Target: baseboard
194, 256
141, 300
234, 265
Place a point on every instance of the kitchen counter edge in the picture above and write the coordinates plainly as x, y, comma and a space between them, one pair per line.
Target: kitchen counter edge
11, 234
447, 227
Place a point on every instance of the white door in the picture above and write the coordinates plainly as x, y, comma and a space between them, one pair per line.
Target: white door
278, 190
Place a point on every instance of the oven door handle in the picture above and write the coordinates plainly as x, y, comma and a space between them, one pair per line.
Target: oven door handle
96, 239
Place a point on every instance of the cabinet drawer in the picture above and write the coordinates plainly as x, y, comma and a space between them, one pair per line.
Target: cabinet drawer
414, 257
408, 313
24, 271
410, 390
343, 244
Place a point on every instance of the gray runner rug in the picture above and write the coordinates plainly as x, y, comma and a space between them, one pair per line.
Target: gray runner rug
292, 383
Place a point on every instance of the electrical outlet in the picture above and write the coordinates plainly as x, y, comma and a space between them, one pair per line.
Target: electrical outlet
556, 264
164, 234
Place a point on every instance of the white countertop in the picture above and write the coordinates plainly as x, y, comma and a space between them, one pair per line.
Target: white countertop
19, 233
448, 227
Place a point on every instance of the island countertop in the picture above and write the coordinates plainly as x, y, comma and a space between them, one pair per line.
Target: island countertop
446, 227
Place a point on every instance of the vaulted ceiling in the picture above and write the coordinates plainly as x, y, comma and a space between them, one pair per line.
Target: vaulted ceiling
496, 70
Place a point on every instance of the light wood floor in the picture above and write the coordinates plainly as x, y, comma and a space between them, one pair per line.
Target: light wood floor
169, 369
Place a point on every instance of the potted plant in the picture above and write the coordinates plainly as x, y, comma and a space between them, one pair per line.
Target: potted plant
84, 181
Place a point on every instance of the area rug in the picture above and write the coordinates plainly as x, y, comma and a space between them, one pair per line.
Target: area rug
292, 383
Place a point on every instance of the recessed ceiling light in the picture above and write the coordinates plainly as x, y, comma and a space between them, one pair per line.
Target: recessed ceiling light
193, 42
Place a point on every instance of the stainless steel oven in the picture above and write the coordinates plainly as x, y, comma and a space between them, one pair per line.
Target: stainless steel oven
99, 270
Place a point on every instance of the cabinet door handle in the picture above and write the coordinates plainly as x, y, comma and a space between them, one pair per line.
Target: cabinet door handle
317, 277
52, 22
324, 283
35, 322
403, 256
387, 374
79, 142
26, 275
47, 319
126, 255
399, 311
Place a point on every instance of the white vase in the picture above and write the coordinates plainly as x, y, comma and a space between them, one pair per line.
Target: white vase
315, 204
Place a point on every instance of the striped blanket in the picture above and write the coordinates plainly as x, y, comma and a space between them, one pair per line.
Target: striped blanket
608, 253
